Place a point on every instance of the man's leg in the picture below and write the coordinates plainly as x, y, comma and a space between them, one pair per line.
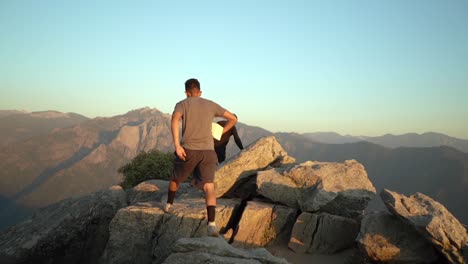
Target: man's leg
207, 168
182, 169
173, 187
210, 194
210, 198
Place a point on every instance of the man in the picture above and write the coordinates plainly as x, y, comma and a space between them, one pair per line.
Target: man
196, 151
220, 145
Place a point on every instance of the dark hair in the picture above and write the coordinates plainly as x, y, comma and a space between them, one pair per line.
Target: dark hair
192, 84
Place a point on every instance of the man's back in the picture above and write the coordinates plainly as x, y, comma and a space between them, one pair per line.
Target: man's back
197, 116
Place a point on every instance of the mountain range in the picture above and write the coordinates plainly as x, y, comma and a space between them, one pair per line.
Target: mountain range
78, 155
429, 139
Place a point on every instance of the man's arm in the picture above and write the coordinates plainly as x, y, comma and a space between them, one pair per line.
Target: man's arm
175, 124
231, 121
237, 138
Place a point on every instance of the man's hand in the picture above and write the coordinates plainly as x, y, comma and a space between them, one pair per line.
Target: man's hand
180, 151
231, 121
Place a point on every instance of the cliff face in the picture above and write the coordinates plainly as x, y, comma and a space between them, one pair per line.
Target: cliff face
72, 231
79, 159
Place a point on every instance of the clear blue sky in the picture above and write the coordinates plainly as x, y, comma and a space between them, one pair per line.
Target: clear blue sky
354, 67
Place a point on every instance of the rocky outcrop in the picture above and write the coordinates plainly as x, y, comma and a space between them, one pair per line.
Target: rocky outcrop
278, 187
257, 156
74, 230
153, 190
189, 219
337, 188
145, 234
323, 233
263, 223
331, 196
131, 234
217, 251
432, 220
386, 239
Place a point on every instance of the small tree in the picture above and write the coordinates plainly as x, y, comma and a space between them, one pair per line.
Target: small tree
146, 166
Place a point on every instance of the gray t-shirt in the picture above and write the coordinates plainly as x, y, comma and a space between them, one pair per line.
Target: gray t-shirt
197, 116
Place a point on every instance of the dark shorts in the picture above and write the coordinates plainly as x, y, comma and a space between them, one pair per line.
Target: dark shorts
200, 163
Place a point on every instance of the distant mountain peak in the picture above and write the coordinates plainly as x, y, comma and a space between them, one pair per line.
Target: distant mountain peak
12, 112
50, 114
144, 110
327, 133
47, 114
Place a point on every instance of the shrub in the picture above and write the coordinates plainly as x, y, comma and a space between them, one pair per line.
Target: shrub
145, 166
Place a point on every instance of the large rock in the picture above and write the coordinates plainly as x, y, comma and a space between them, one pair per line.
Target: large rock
257, 156
337, 188
262, 224
386, 239
153, 190
74, 230
217, 251
131, 234
145, 234
432, 220
278, 187
189, 219
323, 233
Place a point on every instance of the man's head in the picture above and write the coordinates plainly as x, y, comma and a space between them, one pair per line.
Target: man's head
192, 88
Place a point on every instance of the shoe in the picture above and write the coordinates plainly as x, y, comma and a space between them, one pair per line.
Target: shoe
167, 207
213, 229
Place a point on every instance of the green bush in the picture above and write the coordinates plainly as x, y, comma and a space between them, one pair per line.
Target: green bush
145, 166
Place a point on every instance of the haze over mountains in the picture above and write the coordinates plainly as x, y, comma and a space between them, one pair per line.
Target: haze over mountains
81, 155
18, 125
429, 139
